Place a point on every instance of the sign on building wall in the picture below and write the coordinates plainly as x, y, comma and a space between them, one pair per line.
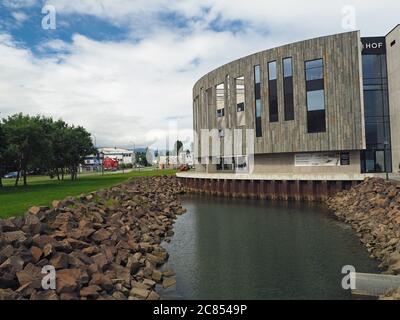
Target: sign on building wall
317, 160
374, 45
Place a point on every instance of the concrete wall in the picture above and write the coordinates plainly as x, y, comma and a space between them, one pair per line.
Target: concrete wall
393, 59
343, 95
284, 164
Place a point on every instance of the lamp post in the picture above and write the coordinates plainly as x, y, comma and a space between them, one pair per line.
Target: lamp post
386, 144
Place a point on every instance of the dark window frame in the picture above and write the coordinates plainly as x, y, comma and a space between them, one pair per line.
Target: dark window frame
258, 99
288, 91
273, 103
316, 119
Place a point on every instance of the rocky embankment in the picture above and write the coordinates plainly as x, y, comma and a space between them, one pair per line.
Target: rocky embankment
103, 245
373, 210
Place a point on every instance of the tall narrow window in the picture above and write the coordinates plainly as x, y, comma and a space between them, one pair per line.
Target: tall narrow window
288, 89
257, 94
240, 114
220, 100
272, 92
316, 120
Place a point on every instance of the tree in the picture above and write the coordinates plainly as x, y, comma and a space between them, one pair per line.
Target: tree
27, 142
178, 146
2, 151
78, 145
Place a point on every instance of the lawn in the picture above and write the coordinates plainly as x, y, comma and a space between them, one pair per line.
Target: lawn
41, 191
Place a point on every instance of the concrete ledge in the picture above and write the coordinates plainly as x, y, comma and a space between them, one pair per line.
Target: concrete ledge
277, 177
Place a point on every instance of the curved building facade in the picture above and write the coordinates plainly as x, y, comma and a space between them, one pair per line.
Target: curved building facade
325, 106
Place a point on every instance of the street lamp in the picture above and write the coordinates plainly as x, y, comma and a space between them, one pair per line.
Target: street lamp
386, 144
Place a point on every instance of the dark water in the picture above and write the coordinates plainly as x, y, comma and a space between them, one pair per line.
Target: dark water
250, 249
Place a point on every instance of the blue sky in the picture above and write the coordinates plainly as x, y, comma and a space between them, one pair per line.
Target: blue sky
125, 69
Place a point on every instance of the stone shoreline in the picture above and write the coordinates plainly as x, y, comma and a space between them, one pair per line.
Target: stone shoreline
372, 209
103, 245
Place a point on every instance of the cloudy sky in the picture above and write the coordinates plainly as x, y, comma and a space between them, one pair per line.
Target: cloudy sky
124, 69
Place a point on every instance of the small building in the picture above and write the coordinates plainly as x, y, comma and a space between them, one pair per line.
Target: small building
123, 156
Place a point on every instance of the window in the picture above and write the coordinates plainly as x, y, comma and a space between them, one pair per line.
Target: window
287, 67
220, 100
240, 102
316, 118
220, 113
288, 89
315, 100
377, 157
314, 70
257, 94
221, 133
240, 94
272, 92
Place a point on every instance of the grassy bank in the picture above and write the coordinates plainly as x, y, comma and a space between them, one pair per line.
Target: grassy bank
42, 190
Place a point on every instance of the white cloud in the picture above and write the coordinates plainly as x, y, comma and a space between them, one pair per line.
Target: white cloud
127, 91
19, 16
118, 90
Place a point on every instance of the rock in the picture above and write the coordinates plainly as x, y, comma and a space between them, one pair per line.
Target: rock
168, 282
32, 224
6, 253
102, 280
31, 274
44, 295
157, 275
7, 294
140, 285
105, 245
7, 226
68, 280
59, 260
101, 235
14, 263
153, 296
36, 253
168, 273
91, 292
36, 210
56, 204
13, 236
100, 260
139, 293
117, 295
69, 296
47, 250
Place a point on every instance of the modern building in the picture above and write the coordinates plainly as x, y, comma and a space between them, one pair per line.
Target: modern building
323, 109
323, 106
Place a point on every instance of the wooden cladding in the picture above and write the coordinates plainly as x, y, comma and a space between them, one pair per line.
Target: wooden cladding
344, 108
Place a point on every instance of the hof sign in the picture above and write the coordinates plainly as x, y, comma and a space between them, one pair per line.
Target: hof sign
374, 45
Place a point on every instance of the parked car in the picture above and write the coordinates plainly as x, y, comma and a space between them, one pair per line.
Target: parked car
11, 175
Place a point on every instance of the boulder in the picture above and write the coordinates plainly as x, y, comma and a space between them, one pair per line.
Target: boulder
101, 235
36, 253
91, 292
168, 282
68, 280
14, 236
139, 293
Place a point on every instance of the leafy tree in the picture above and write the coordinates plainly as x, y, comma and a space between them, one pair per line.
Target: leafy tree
2, 151
78, 144
40, 144
27, 142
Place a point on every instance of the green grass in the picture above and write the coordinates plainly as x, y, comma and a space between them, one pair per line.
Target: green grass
41, 191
